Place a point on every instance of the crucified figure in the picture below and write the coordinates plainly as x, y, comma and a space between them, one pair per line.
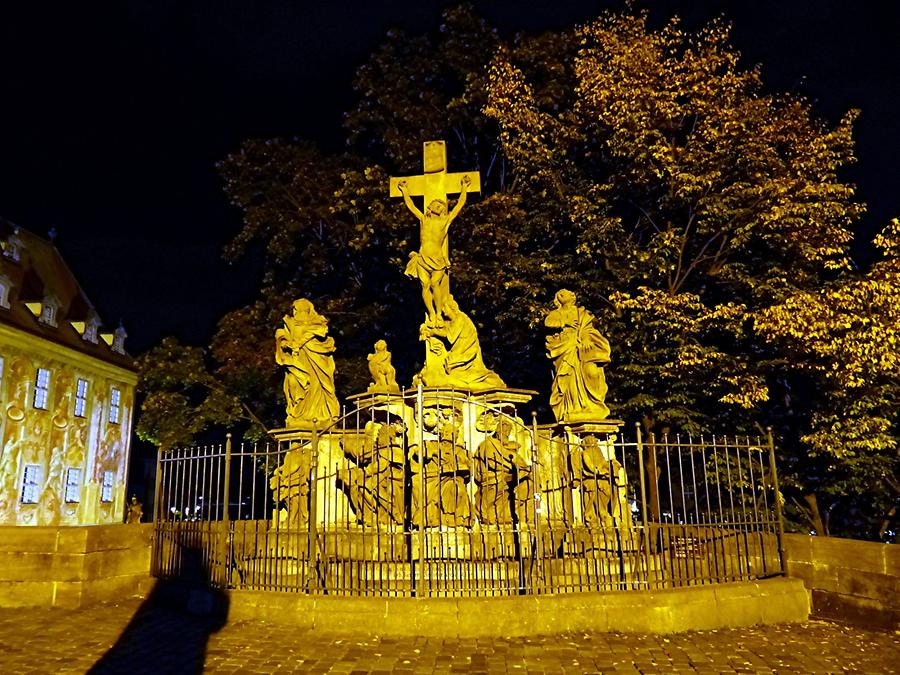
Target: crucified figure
431, 264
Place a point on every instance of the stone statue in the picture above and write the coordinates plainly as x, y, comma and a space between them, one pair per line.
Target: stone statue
603, 485
591, 473
431, 264
503, 478
134, 511
453, 354
290, 485
579, 352
619, 504
302, 345
375, 486
445, 466
384, 375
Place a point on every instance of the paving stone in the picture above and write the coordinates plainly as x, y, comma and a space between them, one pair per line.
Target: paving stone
129, 637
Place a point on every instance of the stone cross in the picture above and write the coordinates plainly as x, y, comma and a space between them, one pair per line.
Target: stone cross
435, 182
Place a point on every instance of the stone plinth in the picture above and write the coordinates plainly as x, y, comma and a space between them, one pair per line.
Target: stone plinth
71, 567
592, 426
665, 611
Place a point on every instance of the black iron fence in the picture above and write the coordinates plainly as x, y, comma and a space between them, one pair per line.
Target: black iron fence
446, 494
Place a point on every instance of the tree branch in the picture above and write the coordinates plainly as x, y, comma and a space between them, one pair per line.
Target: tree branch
698, 259
646, 215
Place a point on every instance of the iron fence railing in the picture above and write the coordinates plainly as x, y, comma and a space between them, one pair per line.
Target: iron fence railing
393, 500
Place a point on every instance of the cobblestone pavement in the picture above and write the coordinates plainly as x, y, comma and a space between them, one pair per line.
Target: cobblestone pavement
130, 638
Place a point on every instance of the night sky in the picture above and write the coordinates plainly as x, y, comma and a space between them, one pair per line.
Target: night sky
113, 114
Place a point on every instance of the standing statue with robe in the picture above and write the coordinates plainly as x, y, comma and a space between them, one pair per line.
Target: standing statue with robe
303, 347
579, 352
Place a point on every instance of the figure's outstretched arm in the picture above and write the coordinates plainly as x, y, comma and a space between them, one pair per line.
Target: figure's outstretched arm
461, 202
402, 186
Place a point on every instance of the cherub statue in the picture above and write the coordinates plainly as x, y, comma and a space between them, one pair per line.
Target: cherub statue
431, 264
579, 353
384, 375
302, 345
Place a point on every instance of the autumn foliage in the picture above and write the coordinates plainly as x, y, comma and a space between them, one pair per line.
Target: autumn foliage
701, 218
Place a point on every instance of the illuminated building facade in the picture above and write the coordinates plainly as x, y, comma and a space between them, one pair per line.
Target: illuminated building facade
66, 393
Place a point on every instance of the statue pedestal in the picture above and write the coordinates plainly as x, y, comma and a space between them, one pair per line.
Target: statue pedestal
583, 427
288, 434
404, 403
486, 396
574, 430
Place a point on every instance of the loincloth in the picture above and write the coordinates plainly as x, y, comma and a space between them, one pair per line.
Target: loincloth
425, 263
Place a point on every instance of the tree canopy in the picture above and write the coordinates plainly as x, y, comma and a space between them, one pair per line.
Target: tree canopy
700, 217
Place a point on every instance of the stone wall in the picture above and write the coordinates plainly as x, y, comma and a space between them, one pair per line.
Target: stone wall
676, 610
73, 566
850, 581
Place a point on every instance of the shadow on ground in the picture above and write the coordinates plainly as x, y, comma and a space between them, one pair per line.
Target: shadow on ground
169, 631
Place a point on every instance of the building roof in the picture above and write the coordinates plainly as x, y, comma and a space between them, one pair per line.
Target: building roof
40, 273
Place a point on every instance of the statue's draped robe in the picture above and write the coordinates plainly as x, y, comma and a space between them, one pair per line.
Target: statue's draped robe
309, 381
374, 486
492, 475
446, 468
578, 352
290, 484
465, 366
596, 485
502, 473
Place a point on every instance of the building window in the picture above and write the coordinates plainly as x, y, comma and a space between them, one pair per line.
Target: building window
41, 388
31, 483
106, 491
73, 486
115, 399
81, 392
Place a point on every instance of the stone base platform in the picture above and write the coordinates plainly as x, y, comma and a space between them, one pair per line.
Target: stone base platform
73, 567
733, 605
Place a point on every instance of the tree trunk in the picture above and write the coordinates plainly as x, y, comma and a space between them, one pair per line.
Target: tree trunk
886, 523
814, 516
